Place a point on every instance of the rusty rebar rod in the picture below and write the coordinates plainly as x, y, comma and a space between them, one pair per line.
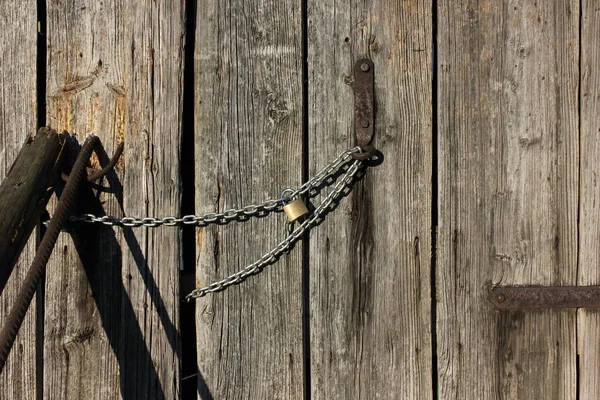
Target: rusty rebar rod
13, 322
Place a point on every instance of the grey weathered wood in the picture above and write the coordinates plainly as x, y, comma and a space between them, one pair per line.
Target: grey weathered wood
370, 321
588, 321
248, 135
508, 195
509, 175
114, 69
18, 108
24, 194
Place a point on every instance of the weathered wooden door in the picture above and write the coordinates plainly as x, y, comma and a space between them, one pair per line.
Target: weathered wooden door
348, 313
487, 118
510, 202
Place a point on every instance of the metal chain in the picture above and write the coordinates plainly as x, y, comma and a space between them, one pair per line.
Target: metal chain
309, 189
329, 204
340, 169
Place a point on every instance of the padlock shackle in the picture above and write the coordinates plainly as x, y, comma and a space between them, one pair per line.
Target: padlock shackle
285, 200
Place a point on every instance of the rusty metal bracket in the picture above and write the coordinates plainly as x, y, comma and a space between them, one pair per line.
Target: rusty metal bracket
364, 105
536, 297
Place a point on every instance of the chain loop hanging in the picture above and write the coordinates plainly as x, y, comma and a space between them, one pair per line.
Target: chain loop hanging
329, 204
344, 169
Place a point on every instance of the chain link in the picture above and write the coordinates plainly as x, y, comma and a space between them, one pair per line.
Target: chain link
309, 189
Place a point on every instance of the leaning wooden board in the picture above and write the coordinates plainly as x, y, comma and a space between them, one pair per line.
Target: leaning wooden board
508, 195
18, 107
112, 298
24, 194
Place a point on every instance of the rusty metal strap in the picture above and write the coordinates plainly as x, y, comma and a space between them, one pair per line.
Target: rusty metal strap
364, 107
532, 297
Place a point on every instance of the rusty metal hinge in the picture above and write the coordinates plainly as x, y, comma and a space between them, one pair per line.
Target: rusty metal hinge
535, 297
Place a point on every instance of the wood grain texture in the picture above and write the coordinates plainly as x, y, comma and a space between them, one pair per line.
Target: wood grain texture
370, 261
248, 139
588, 321
508, 190
115, 70
18, 108
24, 194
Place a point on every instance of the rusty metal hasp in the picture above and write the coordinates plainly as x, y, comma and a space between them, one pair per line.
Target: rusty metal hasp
364, 107
532, 297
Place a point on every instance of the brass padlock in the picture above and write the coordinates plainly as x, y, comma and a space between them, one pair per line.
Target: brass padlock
295, 209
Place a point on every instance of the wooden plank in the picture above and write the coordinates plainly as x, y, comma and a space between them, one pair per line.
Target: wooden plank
370, 300
588, 321
508, 190
248, 137
18, 107
114, 69
24, 194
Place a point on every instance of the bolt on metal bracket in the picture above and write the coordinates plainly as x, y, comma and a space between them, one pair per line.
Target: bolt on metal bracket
538, 297
364, 102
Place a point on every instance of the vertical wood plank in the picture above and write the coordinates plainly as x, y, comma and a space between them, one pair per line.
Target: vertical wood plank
508, 151
18, 107
370, 261
115, 70
589, 252
248, 136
